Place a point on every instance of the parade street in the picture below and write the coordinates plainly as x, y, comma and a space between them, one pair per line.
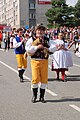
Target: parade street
62, 98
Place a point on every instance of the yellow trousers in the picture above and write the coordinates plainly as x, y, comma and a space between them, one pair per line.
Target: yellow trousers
22, 63
39, 71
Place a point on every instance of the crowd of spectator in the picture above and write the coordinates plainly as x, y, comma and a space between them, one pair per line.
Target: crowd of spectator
70, 34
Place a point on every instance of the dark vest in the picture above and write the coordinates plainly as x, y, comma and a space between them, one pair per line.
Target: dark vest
20, 49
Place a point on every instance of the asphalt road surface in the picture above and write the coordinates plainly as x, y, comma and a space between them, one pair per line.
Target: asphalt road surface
62, 98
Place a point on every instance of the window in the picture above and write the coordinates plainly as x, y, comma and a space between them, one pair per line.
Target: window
32, 6
32, 16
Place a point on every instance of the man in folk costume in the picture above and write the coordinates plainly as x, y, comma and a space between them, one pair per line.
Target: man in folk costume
39, 63
19, 46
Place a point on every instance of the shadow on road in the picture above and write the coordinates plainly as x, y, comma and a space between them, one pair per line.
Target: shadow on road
65, 100
68, 78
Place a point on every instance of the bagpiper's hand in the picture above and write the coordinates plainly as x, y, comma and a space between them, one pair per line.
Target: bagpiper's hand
47, 49
40, 46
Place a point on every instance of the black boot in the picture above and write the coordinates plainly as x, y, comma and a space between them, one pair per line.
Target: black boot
35, 90
42, 93
23, 72
21, 75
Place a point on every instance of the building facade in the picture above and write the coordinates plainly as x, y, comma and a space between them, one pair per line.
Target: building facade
23, 13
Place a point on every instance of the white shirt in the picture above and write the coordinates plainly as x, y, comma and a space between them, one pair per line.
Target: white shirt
16, 44
32, 49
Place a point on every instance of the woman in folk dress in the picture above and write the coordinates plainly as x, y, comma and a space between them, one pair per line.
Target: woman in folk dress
61, 58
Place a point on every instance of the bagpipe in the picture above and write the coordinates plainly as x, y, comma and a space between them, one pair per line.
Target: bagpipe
43, 51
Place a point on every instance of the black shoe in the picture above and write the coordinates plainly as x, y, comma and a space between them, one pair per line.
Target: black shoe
42, 93
21, 75
42, 100
35, 90
21, 79
33, 100
64, 80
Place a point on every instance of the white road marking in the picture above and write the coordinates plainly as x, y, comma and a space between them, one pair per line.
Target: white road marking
12, 69
47, 90
2, 49
76, 65
50, 92
75, 107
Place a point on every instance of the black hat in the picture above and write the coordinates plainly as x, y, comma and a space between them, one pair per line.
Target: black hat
40, 27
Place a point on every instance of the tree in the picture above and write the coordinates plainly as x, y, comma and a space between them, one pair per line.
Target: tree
60, 14
77, 13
